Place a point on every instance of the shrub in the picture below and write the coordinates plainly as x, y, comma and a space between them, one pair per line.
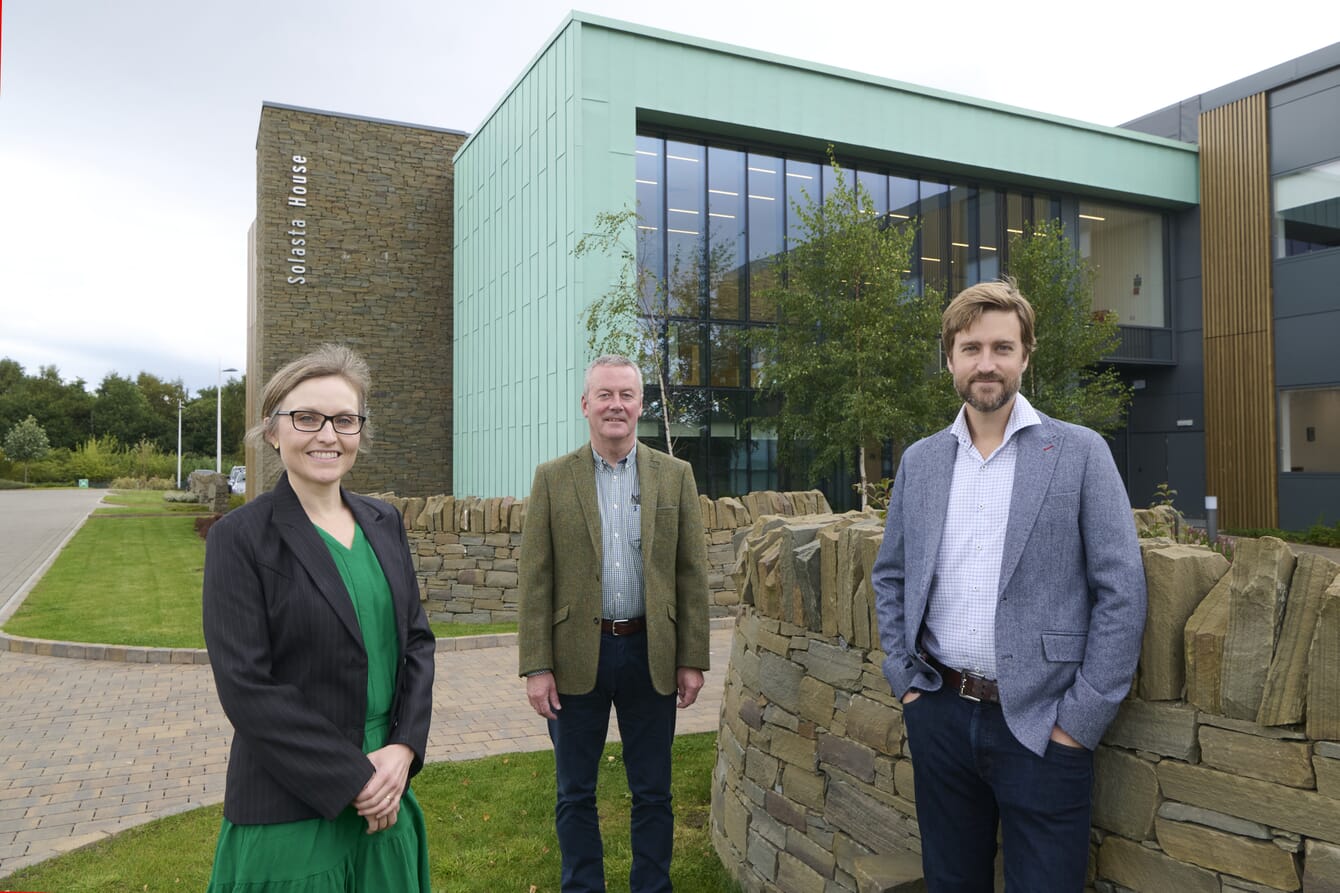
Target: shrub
1317, 535
179, 496
1321, 535
141, 483
204, 523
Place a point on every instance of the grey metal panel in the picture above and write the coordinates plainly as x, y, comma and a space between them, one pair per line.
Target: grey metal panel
1274, 77
1189, 373
1307, 284
1185, 226
1306, 499
1305, 350
1152, 410
1166, 122
1295, 91
1306, 131
1180, 121
1191, 405
1187, 311
1185, 453
1146, 466
1190, 109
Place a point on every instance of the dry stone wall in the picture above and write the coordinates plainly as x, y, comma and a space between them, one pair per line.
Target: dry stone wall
1221, 773
466, 549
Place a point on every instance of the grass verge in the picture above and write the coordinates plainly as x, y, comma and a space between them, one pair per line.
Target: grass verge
136, 581
121, 581
146, 502
490, 828
459, 630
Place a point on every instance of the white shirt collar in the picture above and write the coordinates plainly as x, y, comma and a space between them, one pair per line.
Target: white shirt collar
630, 460
1022, 415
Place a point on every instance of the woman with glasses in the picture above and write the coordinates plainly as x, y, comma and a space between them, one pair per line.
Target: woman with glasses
322, 657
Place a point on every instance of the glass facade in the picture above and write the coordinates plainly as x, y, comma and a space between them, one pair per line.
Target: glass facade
714, 220
1307, 210
1310, 430
1125, 248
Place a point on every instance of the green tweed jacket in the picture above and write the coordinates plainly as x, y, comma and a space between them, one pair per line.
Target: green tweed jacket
561, 564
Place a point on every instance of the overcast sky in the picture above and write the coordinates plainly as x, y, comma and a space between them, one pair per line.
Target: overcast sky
128, 128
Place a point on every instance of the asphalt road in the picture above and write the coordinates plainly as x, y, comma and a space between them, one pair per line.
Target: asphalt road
34, 525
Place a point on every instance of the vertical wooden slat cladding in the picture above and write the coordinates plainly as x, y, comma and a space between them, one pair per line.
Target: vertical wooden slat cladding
1239, 330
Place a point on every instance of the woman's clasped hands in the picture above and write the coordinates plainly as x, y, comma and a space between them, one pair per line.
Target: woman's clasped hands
379, 801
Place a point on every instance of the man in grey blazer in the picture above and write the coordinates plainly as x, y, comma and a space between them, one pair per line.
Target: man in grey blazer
613, 579
1011, 602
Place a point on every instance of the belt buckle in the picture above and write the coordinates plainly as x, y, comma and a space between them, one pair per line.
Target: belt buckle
963, 678
614, 627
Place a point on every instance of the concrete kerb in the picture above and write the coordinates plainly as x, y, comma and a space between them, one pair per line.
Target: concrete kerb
138, 654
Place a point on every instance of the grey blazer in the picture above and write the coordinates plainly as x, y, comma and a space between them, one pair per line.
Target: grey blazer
1070, 610
288, 657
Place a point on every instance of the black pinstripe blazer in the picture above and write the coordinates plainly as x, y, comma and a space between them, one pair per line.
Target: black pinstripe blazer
289, 662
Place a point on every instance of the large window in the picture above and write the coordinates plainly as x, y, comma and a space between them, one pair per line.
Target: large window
714, 221
1307, 210
1310, 430
1125, 247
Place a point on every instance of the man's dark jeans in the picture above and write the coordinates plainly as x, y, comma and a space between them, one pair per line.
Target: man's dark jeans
970, 772
647, 729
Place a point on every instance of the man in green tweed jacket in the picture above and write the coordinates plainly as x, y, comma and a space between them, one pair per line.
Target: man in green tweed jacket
613, 612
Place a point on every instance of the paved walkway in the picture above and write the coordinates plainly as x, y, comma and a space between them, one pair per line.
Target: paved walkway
91, 747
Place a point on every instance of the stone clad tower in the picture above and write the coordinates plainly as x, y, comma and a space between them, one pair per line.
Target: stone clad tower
352, 243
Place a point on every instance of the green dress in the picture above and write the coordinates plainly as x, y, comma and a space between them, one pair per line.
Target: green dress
339, 856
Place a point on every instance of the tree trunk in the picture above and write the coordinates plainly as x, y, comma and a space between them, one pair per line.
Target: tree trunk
665, 409
865, 480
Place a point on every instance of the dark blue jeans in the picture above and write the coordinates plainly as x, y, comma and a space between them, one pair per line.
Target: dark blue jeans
971, 773
647, 728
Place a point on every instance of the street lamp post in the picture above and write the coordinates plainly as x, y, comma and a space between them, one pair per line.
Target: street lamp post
218, 430
178, 443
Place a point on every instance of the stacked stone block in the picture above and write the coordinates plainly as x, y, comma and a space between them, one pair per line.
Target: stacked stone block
812, 789
466, 549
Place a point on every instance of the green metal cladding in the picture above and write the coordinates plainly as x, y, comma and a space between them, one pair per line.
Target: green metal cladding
559, 148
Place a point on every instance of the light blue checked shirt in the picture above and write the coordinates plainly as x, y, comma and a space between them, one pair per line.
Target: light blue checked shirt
961, 616
621, 595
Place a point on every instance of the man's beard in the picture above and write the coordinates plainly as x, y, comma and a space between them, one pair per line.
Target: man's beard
986, 405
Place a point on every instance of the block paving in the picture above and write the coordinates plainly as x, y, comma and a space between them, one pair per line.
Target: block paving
89, 748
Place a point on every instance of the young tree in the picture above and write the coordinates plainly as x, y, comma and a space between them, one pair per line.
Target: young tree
632, 317
853, 354
1064, 378
25, 442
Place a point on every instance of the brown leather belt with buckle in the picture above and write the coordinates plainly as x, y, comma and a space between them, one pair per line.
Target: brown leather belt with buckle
623, 627
970, 686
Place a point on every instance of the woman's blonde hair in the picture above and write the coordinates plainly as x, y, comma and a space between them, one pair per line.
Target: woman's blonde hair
326, 360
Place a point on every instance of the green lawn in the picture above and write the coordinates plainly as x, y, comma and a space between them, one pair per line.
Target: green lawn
490, 828
136, 581
121, 581
457, 630
146, 502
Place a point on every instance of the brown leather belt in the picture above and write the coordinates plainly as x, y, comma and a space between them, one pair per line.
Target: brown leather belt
971, 686
623, 627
